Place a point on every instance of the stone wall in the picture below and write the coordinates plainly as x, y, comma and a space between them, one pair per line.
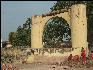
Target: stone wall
44, 55
49, 55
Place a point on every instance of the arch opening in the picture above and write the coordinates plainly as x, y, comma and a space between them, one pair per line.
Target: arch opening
56, 32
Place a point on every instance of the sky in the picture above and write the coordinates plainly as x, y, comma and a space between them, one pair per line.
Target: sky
15, 13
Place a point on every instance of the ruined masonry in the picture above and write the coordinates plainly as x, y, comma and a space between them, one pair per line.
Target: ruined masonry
76, 18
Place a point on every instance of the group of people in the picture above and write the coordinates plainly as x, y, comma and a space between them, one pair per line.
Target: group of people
83, 56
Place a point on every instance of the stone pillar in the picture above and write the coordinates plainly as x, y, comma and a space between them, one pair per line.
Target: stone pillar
79, 26
36, 40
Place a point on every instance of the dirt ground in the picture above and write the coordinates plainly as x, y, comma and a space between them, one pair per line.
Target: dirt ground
37, 66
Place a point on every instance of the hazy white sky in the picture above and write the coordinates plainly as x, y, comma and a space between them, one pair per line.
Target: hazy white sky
14, 14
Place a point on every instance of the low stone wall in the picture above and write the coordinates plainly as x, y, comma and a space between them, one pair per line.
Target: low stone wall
42, 51
44, 55
48, 55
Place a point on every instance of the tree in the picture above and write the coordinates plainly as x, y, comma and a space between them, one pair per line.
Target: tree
12, 38
55, 31
22, 36
48, 33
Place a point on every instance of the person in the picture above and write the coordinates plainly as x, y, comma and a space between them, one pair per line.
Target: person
70, 57
76, 59
32, 51
83, 55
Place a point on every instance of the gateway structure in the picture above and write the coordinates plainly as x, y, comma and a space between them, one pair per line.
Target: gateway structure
75, 17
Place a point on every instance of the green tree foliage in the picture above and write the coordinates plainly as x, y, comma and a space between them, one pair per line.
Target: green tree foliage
12, 38
56, 28
54, 32
22, 35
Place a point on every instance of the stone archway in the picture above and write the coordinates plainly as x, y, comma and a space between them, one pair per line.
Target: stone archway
38, 23
75, 17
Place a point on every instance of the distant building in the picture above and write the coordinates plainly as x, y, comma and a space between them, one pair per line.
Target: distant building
8, 44
5, 44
